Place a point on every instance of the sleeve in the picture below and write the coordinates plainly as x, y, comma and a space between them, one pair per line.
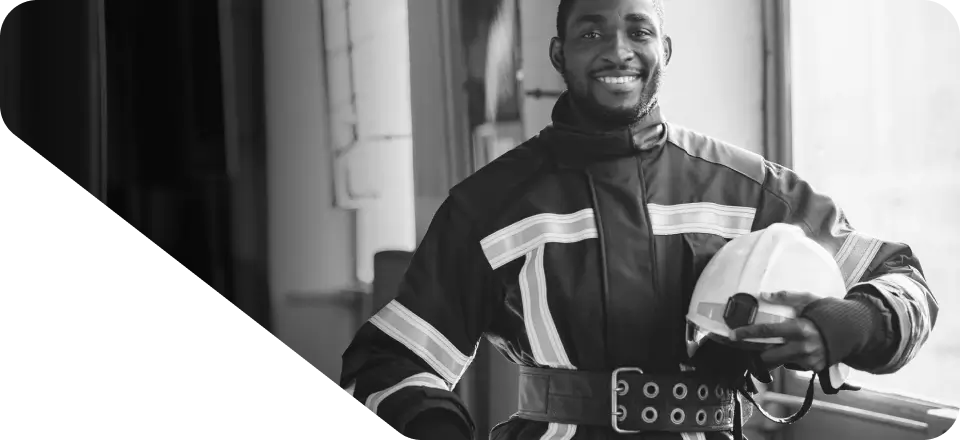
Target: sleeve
889, 310
406, 360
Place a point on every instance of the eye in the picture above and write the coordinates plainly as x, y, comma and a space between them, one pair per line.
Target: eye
643, 33
592, 35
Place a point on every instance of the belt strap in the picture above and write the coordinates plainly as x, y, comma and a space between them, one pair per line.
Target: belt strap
627, 400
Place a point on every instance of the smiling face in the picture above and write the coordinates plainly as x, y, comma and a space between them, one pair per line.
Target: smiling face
612, 56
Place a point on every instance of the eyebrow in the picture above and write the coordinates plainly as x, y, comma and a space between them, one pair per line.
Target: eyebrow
637, 17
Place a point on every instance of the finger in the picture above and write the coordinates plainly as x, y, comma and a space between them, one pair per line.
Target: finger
791, 353
803, 354
797, 300
788, 330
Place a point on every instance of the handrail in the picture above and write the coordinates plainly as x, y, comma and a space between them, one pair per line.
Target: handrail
873, 416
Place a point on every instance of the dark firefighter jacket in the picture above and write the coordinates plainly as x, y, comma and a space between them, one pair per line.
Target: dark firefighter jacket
580, 251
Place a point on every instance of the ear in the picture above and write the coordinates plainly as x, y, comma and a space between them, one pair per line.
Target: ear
556, 54
667, 49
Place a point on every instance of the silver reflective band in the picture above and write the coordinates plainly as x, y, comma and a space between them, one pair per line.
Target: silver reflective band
701, 218
420, 337
417, 380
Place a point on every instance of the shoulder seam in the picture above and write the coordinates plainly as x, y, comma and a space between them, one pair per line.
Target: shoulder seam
763, 187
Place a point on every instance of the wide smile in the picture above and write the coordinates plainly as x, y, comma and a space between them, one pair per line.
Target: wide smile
620, 83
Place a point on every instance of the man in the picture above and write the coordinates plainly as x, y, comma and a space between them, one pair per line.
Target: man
576, 253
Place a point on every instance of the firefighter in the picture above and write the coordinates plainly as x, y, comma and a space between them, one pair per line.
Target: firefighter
577, 252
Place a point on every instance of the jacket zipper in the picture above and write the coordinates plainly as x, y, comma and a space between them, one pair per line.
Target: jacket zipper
605, 286
646, 214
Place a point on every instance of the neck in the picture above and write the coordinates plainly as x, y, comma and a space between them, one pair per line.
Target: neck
587, 121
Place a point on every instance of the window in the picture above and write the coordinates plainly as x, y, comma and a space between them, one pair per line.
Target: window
876, 105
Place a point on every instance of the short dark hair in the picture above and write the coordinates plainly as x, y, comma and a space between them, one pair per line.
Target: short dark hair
563, 13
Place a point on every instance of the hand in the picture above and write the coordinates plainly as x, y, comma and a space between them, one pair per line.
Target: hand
803, 346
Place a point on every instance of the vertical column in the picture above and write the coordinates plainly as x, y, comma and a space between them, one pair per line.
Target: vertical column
340, 171
311, 242
368, 54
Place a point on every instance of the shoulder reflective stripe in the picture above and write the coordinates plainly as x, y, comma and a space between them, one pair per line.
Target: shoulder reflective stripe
417, 380
559, 431
545, 341
855, 256
423, 339
703, 218
350, 388
520, 238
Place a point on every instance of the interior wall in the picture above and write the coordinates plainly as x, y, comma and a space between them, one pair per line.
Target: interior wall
340, 164
440, 144
367, 51
311, 242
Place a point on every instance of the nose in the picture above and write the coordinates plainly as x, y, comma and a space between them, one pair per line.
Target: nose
619, 50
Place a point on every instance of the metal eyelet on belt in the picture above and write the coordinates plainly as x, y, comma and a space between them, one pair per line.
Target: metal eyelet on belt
718, 391
677, 416
621, 413
622, 387
718, 416
703, 392
651, 389
701, 417
649, 414
680, 391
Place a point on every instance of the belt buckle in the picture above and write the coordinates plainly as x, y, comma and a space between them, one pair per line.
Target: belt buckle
618, 412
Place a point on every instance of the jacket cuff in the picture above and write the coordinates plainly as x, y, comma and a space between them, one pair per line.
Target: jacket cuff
437, 425
848, 326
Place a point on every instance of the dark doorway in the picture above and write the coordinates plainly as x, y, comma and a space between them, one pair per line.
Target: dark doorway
127, 98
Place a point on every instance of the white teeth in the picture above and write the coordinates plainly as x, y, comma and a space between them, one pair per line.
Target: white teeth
618, 79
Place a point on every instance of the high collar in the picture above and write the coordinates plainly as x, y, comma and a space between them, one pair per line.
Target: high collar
572, 143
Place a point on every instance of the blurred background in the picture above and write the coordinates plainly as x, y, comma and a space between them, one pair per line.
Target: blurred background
291, 153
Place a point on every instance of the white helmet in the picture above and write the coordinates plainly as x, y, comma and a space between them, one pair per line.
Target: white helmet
778, 258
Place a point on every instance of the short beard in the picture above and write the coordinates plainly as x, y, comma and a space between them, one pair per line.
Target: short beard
611, 119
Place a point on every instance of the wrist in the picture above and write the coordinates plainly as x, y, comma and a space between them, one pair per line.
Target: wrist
847, 326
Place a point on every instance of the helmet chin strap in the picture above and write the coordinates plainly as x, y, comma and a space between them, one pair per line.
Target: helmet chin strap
748, 388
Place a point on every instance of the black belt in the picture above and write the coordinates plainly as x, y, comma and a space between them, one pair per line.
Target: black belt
630, 401
627, 400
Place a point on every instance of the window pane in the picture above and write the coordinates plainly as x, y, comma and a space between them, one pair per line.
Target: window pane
876, 108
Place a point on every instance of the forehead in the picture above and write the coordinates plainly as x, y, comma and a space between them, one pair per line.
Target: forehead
592, 11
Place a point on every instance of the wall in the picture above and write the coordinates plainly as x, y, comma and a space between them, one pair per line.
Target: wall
366, 46
311, 246
440, 143
340, 165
